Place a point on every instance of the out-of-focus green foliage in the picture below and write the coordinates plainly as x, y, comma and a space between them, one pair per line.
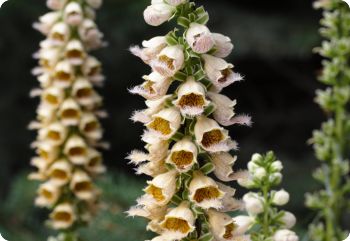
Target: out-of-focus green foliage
20, 221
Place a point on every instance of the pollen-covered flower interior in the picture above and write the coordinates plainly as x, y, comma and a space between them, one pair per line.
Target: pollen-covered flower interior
185, 142
69, 131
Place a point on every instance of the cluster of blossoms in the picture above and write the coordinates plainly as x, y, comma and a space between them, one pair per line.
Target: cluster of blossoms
69, 131
332, 142
183, 136
265, 220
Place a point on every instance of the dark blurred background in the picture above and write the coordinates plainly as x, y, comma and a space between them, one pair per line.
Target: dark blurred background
273, 50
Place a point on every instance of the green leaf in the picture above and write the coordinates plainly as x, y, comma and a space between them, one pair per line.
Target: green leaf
206, 237
184, 22
203, 19
176, 199
171, 40
199, 75
209, 110
180, 76
177, 136
208, 168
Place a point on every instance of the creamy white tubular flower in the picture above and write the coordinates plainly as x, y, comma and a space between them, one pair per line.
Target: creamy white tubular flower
158, 13
183, 155
73, 14
84, 93
59, 34
48, 194
162, 188
52, 96
54, 134
76, 150
70, 113
48, 58
212, 137
169, 61
47, 152
285, 235
82, 186
63, 216
178, 222
92, 69
175, 2
254, 204
205, 192
60, 172
281, 198
45, 80
221, 225
75, 52
288, 219
191, 98
154, 87
223, 163
55, 4
63, 74
95, 3
94, 162
46, 22
91, 36
224, 111
223, 45
46, 114
219, 71
243, 224
229, 203
90, 126
154, 106
165, 123
151, 48
41, 165
199, 38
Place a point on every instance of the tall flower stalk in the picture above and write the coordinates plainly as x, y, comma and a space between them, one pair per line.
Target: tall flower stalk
69, 131
265, 219
332, 142
183, 136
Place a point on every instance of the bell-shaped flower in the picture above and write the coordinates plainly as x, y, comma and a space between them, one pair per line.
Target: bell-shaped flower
154, 87
55, 134
75, 52
46, 151
212, 137
243, 224
56, 4
76, 150
223, 45
46, 22
199, 38
60, 172
205, 192
191, 98
82, 186
48, 194
73, 14
41, 173
70, 113
90, 126
63, 74
84, 93
158, 13
150, 49
219, 71
63, 216
162, 188
222, 226
178, 222
224, 111
223, 163
94, 162
48, 58
183, 155
169, 61
53, 96
92, 69
90, 34
59, 34
165, 123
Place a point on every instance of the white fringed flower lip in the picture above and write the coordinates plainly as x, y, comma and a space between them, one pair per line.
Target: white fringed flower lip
191, 98
165, 123
178, 222
183, 155
199, 38
212, 137
205, 192
169, 61
219, 71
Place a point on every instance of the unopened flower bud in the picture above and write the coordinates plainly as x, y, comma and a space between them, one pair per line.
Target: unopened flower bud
253, 203
259, 173
157, 14
256, 157
288, 219
281, 198
277, 166
285, 235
